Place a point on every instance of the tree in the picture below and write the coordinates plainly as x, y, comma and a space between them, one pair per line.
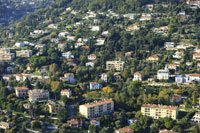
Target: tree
27, 83
93, 129
35, 125
56, 86
62, 114
4, 92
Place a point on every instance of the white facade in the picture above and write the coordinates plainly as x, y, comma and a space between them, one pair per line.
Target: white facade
39, 95
95, 28
137, 76
194, 77
90, 64
196, 117
104, 77
92, 57
163, 74
20, 44
66, 92
21, 91
63, 34
24, 53
67, 55
95, 86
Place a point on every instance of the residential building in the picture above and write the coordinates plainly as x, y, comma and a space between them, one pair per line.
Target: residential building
95, 122
159, 111
41, 48
52, 26
129, 54
170, 45
117, 76
118, 65
145, 17
85, 48
179, 79
95, 86
55, 40
95, 28
167, 131
184, 46
71, 38
97, 108
189, 63
133, 28
124, 130
178, 54
130, 15
198, 65
172, 66
20, 44
163, 74
53, 107
67, 55
39, 95
37, 32
197, 50
7, 57
137, 76
194, 77
68, 77
23, 77
104, 77
21, 91
105, 33
196, 56
100, 41
5, 125
92, 57
66, 92
161, 30
63, 34
153, 58
62, 46
24, 53
133, 120
90, 64
196, 117
175, 98
193, 3
75, 123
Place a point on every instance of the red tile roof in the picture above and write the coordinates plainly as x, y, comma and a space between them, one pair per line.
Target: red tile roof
194, 75
126, 130
21, 88
160, 106
98, 103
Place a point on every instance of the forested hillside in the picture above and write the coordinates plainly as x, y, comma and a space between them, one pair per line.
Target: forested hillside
130, 64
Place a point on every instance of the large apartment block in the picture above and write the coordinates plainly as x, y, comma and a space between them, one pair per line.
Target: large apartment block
118, 65
24, 53
6, 55
159, 111
39, 95
97, 108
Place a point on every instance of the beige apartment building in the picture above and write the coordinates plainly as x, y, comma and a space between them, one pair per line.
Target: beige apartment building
159, 111
97, 108
21, 91
118, 65
24, 53
5, 55
39, 95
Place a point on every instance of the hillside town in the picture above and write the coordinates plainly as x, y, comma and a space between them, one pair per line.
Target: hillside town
102, 71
